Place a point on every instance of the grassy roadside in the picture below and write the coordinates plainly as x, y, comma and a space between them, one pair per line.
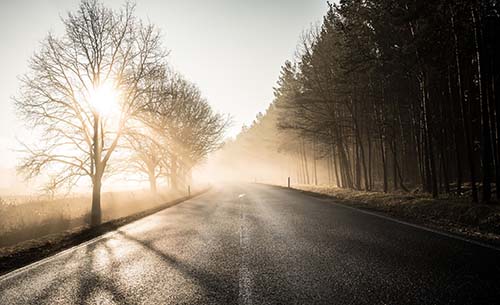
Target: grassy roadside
449, 214
30, 251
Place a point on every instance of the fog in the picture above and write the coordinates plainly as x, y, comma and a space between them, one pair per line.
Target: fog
265, 153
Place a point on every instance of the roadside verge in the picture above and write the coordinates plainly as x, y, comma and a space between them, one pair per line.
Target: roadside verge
455, 216
25, 253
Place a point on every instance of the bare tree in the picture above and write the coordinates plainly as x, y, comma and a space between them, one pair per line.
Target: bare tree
191, 129
82, 90
176, 128
148, 155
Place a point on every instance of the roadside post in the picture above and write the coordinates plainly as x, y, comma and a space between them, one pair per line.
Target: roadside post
288, 182
189, 190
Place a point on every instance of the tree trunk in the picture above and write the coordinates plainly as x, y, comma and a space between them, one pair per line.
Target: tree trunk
336, 168
314, 161
370, 174
456, 134
152, 183
463, 112
496, 88
300, 171
346, 168
174, 179
429, 143
97, 168
384, 163
494, 29
95, 214
394, 164
329, 169
357, 168
482, 74
363, 159
306, 167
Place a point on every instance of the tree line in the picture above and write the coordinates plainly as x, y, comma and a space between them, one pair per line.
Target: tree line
400, 93
392, 96
102, 99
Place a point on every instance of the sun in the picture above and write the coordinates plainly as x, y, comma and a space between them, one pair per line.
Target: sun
105, 99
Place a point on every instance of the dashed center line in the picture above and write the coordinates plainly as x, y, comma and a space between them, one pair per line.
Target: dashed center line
245, 276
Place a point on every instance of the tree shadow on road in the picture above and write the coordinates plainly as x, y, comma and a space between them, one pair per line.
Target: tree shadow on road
93, 283
217, 287
90, 285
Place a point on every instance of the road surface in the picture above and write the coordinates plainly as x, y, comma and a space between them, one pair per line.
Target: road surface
256, 244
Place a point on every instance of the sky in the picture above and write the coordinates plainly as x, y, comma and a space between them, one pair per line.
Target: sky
232, 49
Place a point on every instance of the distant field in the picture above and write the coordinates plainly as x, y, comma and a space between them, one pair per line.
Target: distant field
28, 217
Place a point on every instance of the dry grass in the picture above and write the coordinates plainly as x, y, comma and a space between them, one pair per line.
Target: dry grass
454, 214
23, 219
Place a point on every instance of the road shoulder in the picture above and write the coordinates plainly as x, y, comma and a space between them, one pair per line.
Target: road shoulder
475, 222
26, 253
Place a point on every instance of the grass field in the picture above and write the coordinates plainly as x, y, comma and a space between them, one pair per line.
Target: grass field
27, 218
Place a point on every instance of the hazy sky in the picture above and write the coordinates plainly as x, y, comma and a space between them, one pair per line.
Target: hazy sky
232, 49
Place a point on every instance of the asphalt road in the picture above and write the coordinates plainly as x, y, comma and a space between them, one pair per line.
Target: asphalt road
255, 244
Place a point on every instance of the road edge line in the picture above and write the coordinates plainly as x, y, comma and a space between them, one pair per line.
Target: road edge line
435, 231
330, 199
43, 261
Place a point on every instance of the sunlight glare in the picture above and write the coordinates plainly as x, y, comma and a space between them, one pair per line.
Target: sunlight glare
104, 99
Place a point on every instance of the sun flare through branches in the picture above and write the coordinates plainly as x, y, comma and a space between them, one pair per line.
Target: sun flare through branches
94, 90
105, 99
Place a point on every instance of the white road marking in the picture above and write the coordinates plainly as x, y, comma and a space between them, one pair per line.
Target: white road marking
450, 235
21, 270
245, 275
26, 268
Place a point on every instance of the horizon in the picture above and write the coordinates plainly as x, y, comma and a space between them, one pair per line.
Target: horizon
367, 170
